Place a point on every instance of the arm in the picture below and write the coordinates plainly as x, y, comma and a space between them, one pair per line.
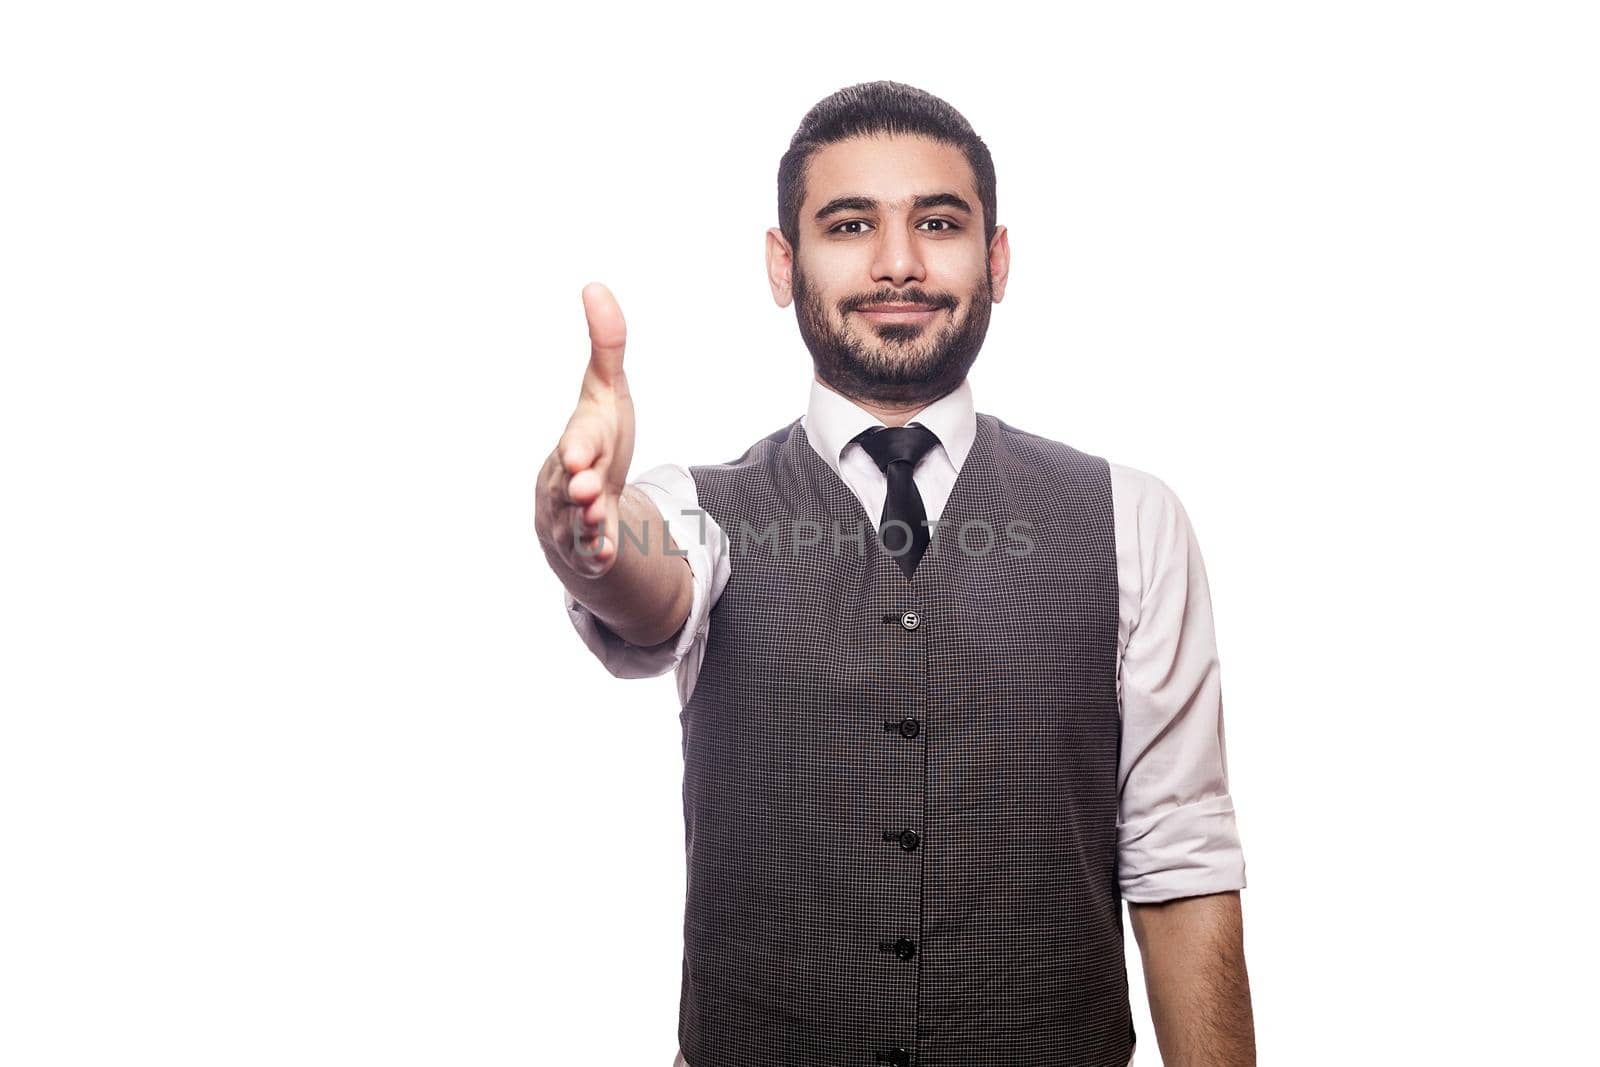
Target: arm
644, 597
1194, 974
1180, 861
592, 525
672, 489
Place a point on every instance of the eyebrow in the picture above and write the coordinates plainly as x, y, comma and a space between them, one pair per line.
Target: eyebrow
866, 203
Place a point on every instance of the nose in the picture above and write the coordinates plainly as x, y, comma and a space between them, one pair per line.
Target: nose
896, 260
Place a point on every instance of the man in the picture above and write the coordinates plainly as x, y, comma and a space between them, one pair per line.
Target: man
949, 688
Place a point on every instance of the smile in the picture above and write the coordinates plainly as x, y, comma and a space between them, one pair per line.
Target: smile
897, 313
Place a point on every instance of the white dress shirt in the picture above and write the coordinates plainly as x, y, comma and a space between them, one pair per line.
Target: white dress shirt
1176, 833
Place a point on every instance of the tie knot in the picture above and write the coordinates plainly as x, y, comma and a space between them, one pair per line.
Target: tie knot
895, 444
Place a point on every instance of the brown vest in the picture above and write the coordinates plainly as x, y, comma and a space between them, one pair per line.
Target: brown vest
900, 796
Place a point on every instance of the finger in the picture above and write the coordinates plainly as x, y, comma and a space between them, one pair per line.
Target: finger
608, 333
555, 490
592, 551
585, 486
588, 487
571, 530
582, 444
574, 525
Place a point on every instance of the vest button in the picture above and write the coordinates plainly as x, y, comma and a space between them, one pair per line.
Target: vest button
909, 727
898, 1056
909, 839
905, 948
910, 619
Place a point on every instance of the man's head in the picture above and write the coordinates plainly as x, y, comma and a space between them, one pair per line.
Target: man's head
887, 196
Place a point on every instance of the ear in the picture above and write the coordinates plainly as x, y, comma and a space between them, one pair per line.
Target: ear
780, 267
1000, 261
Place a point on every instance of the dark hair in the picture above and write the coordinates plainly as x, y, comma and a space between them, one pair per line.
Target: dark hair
879, 107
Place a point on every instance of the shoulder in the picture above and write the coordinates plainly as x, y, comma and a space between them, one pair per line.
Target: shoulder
1142, 491
1033, 445
756, 454
1152, 519
1050, 465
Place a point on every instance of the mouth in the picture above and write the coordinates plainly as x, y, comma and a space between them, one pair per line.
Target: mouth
897, 312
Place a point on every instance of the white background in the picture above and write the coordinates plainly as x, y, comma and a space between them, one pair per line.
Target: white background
302, 762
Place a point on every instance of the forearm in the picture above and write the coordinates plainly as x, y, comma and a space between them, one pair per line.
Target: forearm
645, 597
1195, 976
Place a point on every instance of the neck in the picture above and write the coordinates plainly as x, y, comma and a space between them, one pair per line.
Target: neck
889, 416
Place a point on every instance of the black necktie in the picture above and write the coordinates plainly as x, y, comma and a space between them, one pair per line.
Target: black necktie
896, 450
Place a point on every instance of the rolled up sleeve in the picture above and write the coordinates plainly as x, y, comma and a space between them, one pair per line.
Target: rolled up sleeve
671, 489
1177, 834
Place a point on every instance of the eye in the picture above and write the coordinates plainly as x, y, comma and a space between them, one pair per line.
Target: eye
943, 226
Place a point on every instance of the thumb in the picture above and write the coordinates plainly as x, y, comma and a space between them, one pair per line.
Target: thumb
607, 333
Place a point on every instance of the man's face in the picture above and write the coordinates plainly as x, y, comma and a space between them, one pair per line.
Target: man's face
892, 221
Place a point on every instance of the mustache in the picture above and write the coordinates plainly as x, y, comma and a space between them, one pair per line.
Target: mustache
916, 296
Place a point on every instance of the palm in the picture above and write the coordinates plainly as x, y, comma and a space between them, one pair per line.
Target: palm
590, 463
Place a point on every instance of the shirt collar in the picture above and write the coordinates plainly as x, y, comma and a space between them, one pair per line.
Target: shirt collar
832, 421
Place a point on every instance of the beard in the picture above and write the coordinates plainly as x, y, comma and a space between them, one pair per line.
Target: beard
898, 364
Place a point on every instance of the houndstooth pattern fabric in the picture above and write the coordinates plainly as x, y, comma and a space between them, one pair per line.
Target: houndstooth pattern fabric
859, 892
